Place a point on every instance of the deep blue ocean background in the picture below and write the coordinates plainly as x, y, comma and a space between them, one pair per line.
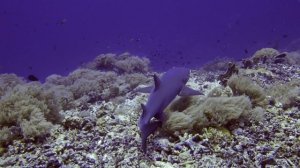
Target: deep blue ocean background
43, 37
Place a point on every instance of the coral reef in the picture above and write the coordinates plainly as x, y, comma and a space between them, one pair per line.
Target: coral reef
227, 127
287, 94
293, 58
270, 55
242, 85
211, 111
220, 91
232, 69
123, 63
264, 54
8, 81
87, 86
219, 64
27, 111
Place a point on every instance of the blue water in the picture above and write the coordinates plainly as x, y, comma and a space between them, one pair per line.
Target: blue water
43, 37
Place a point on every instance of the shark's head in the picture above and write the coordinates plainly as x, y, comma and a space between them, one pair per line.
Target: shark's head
179, 75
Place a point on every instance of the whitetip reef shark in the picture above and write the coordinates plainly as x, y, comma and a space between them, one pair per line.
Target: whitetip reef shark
164, 91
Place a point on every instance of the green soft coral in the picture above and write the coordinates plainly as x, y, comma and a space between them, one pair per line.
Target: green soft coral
27, 111
211, 111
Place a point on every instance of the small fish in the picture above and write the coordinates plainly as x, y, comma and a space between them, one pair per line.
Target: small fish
284, 36
279, 60
282, 55
62, 21
32, 78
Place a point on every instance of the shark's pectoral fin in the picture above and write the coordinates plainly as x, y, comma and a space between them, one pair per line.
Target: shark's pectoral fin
160, 116
186, 91
147, 89
146, 131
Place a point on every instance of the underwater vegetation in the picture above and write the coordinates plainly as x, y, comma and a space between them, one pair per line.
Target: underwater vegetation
214, 111
248, 116
242, 85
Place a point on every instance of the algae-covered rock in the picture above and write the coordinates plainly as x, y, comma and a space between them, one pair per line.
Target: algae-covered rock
264, 53
242, 85
213, 111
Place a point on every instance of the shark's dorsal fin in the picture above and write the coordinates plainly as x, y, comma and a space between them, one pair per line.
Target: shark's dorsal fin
156, 82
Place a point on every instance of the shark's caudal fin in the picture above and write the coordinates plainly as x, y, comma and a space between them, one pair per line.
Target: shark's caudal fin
186, 91
146, 131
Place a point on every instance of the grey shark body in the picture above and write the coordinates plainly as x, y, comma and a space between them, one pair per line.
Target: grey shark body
165, 89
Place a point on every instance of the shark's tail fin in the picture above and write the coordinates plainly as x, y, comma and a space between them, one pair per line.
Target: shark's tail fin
146, 131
